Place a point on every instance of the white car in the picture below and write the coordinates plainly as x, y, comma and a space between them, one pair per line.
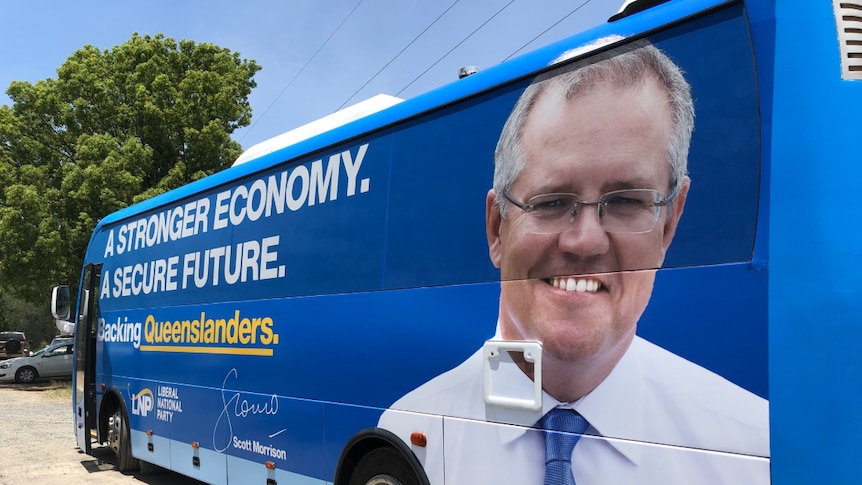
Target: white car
52, 361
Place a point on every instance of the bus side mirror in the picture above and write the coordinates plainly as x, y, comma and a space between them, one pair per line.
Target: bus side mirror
60, 306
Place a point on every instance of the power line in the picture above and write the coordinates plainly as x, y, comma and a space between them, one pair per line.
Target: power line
546, 30
399, 54
455, 47
303, 67
350, 14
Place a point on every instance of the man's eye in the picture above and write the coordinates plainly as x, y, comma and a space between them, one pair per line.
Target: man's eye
624, 206
623, 201
551, 205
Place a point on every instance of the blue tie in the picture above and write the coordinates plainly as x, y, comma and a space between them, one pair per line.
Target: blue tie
559, 425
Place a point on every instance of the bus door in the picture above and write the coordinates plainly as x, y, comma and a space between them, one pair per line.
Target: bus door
84, 390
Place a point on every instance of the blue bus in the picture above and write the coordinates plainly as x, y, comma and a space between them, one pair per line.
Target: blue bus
626, 257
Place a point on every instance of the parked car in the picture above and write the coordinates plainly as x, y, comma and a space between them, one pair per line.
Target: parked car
52, 361
14, 344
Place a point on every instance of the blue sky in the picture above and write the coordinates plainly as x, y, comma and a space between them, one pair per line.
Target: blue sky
283, 35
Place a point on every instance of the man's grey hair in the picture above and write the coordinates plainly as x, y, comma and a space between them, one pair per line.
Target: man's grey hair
629, 65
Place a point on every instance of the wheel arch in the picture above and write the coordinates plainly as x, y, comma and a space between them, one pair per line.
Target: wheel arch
111, 401
370, 439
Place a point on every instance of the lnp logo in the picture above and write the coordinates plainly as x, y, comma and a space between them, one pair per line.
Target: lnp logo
142, 403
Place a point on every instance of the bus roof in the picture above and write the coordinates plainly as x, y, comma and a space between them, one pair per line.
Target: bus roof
309, 130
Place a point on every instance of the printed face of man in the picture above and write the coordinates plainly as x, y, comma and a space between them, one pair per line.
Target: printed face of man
582, 291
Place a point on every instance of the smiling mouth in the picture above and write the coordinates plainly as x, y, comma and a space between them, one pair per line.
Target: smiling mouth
570, 283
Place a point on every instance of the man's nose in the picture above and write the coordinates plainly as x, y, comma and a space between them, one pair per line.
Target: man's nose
585, 235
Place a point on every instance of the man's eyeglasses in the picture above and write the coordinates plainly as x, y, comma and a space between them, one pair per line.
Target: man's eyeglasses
632, 211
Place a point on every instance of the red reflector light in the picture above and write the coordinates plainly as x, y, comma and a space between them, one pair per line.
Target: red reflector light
419, 439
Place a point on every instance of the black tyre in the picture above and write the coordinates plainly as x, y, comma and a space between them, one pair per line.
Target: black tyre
383, 466
119, 438
13, 346
26, 375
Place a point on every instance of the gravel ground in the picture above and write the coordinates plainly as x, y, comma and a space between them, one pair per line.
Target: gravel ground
37, 443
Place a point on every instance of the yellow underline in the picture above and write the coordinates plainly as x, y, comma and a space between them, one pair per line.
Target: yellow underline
206, 350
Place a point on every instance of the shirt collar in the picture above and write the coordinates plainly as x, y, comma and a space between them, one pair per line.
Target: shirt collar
615, 408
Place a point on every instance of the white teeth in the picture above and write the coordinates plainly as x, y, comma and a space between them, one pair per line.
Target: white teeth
576, 284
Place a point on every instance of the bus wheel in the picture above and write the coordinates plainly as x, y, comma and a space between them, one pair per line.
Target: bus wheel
119, 438
383, 466
26, 375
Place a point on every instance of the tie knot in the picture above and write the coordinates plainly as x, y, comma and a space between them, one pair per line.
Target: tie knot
563, 429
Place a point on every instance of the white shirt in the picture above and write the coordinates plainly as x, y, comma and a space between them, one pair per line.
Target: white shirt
656, 419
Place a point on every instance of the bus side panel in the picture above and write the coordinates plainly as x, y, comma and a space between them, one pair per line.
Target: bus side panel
464, 465
724, 315
815, 300
225, 417
151, 438
343, 421
199, 463
708, 304
240, 470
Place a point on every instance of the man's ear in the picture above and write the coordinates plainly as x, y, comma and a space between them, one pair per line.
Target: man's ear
493, 219
672, 220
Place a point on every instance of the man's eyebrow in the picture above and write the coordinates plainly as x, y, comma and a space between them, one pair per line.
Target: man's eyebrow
631, 183
551, 189
635, 182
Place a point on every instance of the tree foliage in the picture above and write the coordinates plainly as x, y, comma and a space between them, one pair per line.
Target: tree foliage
34, 320
115, 127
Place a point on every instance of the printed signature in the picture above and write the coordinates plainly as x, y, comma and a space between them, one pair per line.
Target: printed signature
238, 406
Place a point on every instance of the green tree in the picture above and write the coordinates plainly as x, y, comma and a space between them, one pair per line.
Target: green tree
116, 127
34, 320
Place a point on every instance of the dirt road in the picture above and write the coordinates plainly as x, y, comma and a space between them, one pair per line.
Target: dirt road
37, 443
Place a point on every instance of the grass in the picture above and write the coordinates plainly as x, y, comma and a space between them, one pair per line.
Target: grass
60, 389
